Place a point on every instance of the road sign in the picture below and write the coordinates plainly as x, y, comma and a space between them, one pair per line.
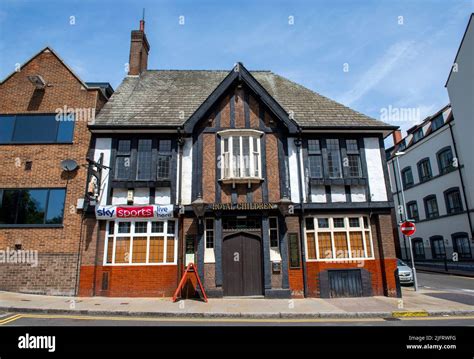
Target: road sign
408, 228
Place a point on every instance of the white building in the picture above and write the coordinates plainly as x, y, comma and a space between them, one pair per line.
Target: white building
428, 172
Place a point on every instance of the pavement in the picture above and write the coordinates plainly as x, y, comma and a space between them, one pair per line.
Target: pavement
424, 303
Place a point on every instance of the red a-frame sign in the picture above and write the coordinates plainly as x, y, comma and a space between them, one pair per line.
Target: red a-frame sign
189, 269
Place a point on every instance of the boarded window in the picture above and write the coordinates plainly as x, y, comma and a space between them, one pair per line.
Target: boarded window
325, 248
357, 245
340, 244
294, 250
170, 250
311, 246
139, 250
122, 250
156, 249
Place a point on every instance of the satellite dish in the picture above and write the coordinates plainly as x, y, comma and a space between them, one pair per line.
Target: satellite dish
68, 165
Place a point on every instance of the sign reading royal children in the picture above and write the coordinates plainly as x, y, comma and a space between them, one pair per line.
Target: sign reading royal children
151, 211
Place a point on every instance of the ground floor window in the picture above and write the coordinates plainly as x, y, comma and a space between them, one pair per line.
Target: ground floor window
338, 237
438, 250
141, 242
418, 248
461, 245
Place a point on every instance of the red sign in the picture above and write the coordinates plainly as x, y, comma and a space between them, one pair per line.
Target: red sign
135, 212
408, 228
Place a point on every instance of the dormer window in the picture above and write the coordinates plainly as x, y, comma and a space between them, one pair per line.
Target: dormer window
241, 159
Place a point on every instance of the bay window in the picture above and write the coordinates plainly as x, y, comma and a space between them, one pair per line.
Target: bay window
336, 238
241, 157
140, 242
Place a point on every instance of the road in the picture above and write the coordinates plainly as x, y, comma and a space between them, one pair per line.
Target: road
446, 282
29, 320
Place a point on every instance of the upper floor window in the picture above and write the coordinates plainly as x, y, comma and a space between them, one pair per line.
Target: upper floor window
453, 200
32, 206
407, 177
437, 122
353, 159
424, 170
315, 159
412, 211
151, 159
445, 160
240, 154
123, 159
36, 129
417, 135
431, 206
334, 158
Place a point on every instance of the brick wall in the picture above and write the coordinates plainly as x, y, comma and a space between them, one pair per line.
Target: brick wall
58, 247
130, 281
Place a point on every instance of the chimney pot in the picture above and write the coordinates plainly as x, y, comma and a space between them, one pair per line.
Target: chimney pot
139, 48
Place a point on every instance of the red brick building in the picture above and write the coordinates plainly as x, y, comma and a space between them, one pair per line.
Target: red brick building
44, 112
272, 189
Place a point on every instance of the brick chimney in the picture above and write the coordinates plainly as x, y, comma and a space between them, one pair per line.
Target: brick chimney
139, 48
397, 136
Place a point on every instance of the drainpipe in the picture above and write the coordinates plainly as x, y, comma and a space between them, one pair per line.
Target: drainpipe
298, 143
462, 180
180, 187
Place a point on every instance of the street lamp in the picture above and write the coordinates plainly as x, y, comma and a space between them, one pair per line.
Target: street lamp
284, 205
199, 207
405, 218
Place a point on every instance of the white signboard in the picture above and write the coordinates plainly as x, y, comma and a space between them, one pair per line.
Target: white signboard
151, 211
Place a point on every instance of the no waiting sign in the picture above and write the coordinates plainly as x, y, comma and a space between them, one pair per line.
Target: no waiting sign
408, 228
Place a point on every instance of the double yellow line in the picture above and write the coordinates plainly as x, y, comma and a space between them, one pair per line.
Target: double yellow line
11, 318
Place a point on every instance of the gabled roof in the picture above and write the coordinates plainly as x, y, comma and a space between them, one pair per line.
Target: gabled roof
169, 98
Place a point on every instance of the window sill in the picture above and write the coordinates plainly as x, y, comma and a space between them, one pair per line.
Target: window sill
248, 180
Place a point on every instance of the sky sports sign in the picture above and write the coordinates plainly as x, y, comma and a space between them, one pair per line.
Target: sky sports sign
131, 212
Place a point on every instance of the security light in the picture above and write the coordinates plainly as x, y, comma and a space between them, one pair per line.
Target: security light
38, 81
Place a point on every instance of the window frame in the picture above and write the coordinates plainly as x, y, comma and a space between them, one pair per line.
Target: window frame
409, 211
416, 241
347, 230
316, 153
270, 229
419, 165
406, 185
57, 129
227, 160
132, 234
437, 238
449, 192
46, 207
425, 201
454, 238
443, 170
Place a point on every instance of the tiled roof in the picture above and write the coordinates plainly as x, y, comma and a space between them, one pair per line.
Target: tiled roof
170, 97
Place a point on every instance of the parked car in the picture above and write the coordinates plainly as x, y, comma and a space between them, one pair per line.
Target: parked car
405, 273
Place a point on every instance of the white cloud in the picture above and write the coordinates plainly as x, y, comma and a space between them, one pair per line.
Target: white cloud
378, 71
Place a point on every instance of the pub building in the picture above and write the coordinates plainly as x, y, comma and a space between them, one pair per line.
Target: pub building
268, 187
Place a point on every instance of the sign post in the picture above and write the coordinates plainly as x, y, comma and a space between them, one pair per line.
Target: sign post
408, 229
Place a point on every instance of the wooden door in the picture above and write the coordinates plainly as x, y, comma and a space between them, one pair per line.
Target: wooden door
242, 265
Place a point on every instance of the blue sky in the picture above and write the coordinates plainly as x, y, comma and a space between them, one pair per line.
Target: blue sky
389, 63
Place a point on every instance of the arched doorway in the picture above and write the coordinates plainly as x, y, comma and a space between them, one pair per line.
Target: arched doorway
242, 265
